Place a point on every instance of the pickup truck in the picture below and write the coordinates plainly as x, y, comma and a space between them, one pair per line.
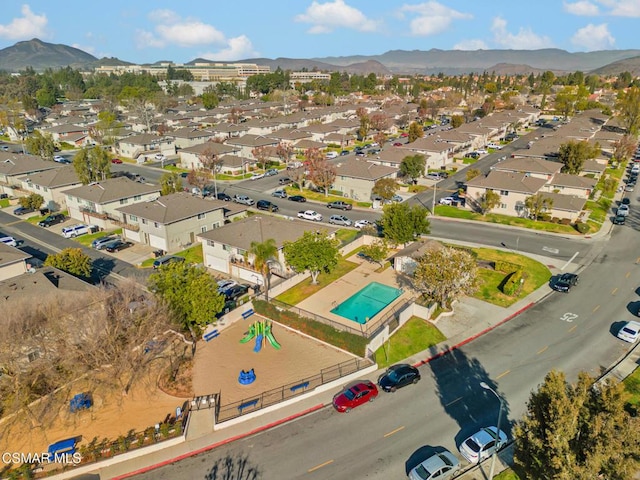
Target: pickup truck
310, 215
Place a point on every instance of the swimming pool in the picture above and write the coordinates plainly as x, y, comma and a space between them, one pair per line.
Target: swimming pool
366, 303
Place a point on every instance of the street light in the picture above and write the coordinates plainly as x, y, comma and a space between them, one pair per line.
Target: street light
495, 453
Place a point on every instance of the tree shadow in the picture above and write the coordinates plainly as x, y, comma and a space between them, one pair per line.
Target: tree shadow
233, 468
458, 380
102, 267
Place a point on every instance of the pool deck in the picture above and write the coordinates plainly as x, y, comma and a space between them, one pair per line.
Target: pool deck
332, 295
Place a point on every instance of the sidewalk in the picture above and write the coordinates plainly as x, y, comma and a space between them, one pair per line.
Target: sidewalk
458, 329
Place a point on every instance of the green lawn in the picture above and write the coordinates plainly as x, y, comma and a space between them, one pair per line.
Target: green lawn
632, 389
413, 337
87, 239
192, 255
4, 203
305, 289
346, 235
537, 275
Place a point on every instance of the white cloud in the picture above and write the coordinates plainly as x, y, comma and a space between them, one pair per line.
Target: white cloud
525, 39
594, 37
582, 8
623, 8
327, 17
473, 44
238, 48
26, 27
189, 33
432, 17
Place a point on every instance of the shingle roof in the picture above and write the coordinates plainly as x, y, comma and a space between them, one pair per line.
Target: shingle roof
111, 190
530, 165
356, 168
513, 182
570, 203
10, 255
56, 177
171, 208
20, 164
576, 181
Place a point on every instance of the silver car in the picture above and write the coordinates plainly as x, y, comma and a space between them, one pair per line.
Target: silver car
340, 220
441, 466
243, 199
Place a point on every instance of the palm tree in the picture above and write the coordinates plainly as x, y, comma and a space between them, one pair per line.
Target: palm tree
263, 254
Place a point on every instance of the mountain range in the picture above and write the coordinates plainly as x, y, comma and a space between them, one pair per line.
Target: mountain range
42, 55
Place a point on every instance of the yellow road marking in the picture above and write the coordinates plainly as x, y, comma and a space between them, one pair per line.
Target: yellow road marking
628, 275
503, 374
542, 350
613, 292
573, 328
393, 431
453, 401
596, 308
319, 466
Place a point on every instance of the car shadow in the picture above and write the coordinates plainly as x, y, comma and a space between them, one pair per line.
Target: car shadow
420, 455
616, 327
634, 308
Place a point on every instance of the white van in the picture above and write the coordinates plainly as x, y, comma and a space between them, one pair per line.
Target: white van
76, 230
9, 241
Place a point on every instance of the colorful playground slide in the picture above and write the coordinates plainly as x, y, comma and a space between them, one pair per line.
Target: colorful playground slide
270, 338
258, 343
250, 334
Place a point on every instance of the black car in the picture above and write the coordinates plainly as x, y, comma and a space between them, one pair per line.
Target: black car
619, 219
398, 376
564, 282
236, 291
224, 197
52, 219
116, 246
626, 201
297, 198
570, 278
285, 181
22, 210
266, 205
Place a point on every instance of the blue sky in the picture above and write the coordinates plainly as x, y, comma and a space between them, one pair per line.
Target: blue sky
227, 30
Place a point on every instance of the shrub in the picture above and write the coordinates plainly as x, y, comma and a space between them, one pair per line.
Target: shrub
565, 221
512, 282
506, 267
582, 227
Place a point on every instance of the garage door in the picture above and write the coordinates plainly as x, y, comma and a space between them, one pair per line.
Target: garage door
216, 263
158, 242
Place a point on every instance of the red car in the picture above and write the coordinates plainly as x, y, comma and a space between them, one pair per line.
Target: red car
354, 396
116, 160
397, 144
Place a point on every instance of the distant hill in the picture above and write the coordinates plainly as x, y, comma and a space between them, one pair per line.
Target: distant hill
631, 65
41, 55
297, 64
512, 69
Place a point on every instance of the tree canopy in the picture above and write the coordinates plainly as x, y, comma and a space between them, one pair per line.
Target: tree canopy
71, 260
39, 144
629, 107
92, 164
573, 154
445, 273
385, 188
190, 292
577, 431
538, 204
413, 166
314, 252
170, 182
402, 224
264, 253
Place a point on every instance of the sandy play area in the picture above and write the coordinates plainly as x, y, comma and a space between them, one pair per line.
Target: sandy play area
216, 369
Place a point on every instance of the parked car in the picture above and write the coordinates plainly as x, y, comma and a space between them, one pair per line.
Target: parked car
340, 204
159, 157
481, 151
309, 215
166, 260
22, 210
482, 444
285, 181
571, 278
297, 198
623, 210
224, 197
77, 230
441, 466
117, 245
100, 242
398, 376
279, 194
116, 161
257, 176
397, 144
236, 291
630, 332
331, 155
12, 242
225, 283
266, 205
447, 201
564, 282
472, 155
354, 396
433, 176
619, 219
363, 224
243, 200
61, 159
271, 172
52, 219
340, 220
495, 146
344, 152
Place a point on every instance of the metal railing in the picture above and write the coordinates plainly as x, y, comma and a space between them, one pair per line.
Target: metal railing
290, 390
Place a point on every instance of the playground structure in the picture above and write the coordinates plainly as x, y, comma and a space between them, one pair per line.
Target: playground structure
247, 378
261, 331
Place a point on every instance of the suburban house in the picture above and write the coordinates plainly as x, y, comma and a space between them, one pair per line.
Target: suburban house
145, 144
13, 262
190, 156
226, 249
438, 153
534, 167
355, 178
14, 166
170, 223
69, 133
188, 137
571, 185
98, 202
247, 143
50, 184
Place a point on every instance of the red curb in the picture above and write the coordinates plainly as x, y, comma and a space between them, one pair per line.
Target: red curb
219, 444
470, 339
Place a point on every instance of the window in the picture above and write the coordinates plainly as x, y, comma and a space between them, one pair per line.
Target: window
211, 243
203, 229
156, 225
124, 201
144, 221
503, 205
137, 197
201, 216
504, 192
133, 218
216, 225
226, 248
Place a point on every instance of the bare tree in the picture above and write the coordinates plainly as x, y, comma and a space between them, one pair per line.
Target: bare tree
260, 154
284, 151
321, 172
212, 162
199, 179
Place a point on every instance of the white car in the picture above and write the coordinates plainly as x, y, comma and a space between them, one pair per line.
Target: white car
447, 201
483, 444
481, 151
257, 176
159, 157
441, 466
339, 220
60, 159
331, 155
363, 224
495, 146
310, 215
630, 332
623, 210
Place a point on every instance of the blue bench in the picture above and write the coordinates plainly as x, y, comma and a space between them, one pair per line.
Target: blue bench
248, 313
300, 386
250, 403
211, 335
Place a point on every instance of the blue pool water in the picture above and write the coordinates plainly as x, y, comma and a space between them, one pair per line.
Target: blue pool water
366, 303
